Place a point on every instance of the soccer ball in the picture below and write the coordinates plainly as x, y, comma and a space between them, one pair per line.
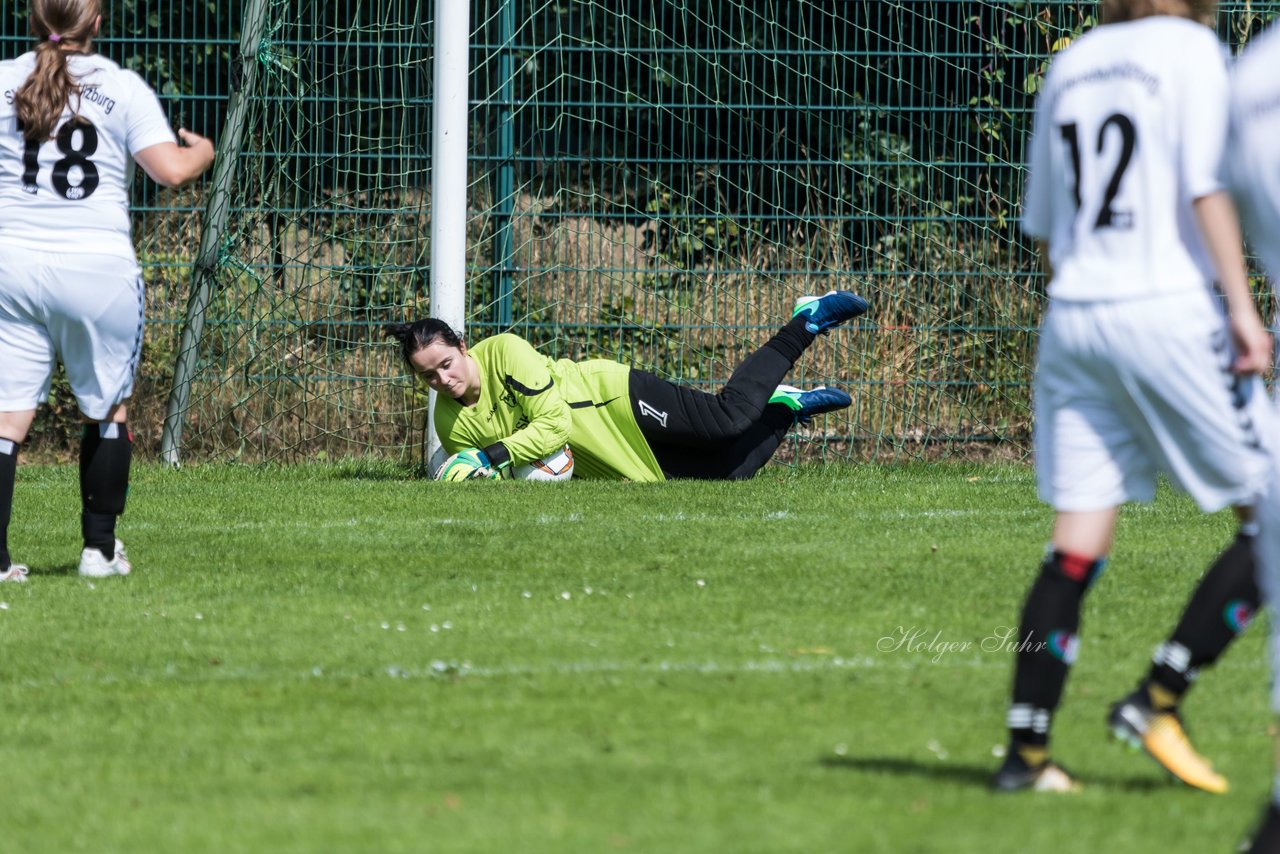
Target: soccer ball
554, 466
438, 456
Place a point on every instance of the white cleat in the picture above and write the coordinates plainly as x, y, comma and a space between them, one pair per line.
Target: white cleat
94, 564
15, 572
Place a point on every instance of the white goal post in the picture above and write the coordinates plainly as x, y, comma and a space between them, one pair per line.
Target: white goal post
449, 178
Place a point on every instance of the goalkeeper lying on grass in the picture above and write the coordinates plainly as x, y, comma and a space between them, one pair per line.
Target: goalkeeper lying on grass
501, 403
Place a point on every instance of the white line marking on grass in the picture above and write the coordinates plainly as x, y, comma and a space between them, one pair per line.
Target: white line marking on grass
768, 665
575, 668
545, 519
377, 523
454, 669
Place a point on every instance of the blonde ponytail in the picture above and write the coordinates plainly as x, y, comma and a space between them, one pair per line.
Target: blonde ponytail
61, 27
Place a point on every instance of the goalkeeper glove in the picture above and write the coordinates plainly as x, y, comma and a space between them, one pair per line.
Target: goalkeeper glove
467, 464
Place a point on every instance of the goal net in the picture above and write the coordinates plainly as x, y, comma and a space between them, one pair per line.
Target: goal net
655, 182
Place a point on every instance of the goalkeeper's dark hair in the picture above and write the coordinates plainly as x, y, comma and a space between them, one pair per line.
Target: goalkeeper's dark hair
421, 333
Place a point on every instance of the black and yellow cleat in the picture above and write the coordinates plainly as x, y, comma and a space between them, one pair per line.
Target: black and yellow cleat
1015, 775
1159, 733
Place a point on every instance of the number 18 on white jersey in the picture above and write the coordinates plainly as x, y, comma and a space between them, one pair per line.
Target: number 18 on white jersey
71, 191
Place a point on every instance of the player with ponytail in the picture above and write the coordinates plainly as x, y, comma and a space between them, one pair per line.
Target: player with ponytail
72, 124
61, 28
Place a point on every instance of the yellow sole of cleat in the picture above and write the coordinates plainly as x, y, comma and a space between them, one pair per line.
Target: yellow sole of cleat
1167, 744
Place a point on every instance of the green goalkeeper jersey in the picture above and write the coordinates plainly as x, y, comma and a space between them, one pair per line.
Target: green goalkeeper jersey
535, 405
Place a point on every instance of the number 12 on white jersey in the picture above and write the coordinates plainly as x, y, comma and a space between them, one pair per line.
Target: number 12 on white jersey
1116, 125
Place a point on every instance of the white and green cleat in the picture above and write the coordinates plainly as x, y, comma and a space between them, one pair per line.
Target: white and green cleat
806, 404
831, 309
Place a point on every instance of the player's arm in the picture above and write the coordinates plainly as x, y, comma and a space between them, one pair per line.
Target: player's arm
531, 386
170, 162
1220, 228
1204, 117
172, 165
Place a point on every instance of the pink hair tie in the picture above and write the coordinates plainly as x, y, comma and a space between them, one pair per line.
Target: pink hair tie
54, 37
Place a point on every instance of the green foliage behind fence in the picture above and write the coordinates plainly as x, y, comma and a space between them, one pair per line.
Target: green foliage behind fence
649, 181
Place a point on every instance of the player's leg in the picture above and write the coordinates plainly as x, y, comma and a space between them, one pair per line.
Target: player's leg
757, 381
106, 451
669, 414
735, 459
1088, 462
1047, 646
97, 329
1207, 429
1265, 838
14, 427
1219, 609
27, 357
741, 458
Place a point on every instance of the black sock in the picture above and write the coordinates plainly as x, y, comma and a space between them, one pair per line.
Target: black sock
1220, 608
1047, 647
105, 452
792, 340
8, 473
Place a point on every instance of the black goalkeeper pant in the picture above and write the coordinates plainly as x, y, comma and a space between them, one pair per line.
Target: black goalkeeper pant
725, 436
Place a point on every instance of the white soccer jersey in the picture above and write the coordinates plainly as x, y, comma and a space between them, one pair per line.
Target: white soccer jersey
1129, 130
1254, 146
72, 192
1253, 157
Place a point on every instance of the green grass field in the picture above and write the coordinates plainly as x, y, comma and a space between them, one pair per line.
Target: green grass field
344, 658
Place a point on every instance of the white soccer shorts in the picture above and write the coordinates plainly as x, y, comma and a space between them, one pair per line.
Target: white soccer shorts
83, 310
1126, 389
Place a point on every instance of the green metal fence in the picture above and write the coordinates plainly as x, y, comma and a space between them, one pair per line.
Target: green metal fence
649, 181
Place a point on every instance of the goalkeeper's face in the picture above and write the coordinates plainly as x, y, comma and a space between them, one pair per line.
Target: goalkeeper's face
448, 370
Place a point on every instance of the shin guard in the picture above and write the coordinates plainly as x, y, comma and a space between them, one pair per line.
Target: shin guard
1047, 643
1221, 607
8, 473
105, 453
